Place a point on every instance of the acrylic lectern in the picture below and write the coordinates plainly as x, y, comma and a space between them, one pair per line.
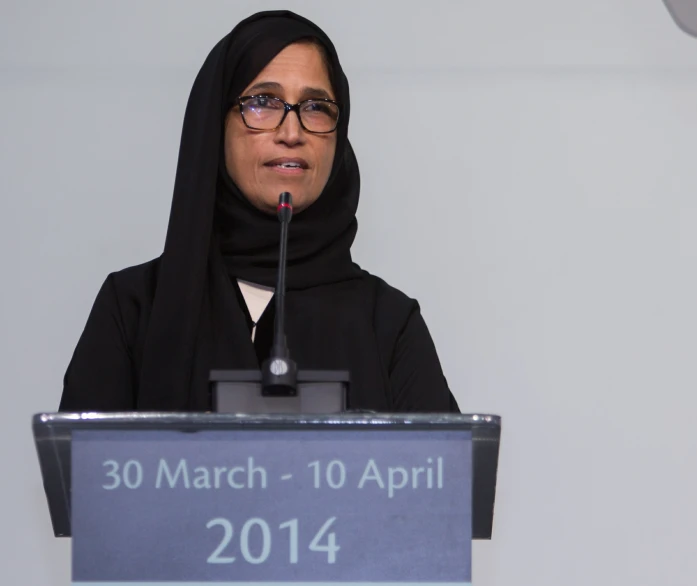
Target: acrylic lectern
215, 498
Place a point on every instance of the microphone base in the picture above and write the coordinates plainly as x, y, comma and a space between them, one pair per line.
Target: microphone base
279, 378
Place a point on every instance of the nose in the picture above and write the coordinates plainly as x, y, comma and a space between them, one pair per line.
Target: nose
291, 132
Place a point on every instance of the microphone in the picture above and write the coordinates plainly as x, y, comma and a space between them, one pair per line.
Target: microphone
279, 374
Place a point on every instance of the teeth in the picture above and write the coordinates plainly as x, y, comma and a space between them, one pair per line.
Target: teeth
289, 165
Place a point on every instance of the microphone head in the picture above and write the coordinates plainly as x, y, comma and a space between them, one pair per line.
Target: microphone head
285, 207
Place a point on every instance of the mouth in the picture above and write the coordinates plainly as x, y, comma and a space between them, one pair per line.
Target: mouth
288, 166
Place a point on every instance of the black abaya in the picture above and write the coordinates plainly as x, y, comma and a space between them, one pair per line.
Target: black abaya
381, 339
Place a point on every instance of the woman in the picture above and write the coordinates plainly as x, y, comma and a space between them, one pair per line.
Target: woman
268, 113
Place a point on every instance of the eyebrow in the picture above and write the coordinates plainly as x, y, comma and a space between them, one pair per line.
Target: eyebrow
277, 87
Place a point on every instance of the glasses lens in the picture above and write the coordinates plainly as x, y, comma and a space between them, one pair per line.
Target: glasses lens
262, 113
319, 116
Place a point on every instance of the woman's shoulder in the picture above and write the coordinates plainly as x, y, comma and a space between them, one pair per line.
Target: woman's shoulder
137, 280
392, 306
129, 293
384, 290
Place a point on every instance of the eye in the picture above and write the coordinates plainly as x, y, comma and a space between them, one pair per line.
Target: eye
318, 107
264, 103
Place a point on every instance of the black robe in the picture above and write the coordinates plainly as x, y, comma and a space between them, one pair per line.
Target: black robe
397, 369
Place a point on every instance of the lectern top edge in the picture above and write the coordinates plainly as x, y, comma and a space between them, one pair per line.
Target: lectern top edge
223, 419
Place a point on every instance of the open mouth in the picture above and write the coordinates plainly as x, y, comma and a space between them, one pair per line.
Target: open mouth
287, 164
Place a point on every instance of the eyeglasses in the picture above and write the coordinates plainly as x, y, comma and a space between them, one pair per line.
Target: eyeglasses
319, 115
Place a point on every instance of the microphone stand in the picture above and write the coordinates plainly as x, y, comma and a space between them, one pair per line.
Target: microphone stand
279, 387
279, 374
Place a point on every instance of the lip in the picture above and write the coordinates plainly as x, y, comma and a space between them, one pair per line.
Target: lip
286, 171
274, 165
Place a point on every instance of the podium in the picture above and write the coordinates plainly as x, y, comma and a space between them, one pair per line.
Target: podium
198, 498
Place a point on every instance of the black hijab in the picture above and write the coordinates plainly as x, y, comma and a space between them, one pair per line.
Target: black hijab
215, 235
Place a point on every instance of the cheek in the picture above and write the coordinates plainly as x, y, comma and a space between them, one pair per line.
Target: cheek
328, 159
238, 155
231, 154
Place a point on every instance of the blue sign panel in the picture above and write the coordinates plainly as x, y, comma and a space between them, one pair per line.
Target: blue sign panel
271, 507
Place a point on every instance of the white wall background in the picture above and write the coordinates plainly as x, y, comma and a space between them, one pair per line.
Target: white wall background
549, 232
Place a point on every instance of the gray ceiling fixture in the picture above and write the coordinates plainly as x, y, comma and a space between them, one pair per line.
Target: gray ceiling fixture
684, 13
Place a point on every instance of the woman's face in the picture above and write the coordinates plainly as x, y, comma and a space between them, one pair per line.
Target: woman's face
254, 158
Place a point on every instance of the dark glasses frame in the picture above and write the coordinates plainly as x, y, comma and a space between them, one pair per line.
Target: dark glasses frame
289, 108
